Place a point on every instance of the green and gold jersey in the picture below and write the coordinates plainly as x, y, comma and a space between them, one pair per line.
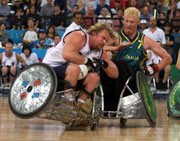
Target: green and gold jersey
134, 54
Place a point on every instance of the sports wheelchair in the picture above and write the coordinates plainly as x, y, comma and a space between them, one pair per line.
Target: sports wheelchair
34, 94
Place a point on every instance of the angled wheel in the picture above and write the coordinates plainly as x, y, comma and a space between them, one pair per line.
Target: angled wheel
173, 103
146, 98
33, 90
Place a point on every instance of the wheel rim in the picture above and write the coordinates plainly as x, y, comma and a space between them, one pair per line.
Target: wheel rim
31, 89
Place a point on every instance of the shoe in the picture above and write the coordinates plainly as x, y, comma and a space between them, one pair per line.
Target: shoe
158, 85
69, 110
163, 86
85, 108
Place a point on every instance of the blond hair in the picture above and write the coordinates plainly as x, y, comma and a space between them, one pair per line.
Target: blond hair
132, 11
98, 27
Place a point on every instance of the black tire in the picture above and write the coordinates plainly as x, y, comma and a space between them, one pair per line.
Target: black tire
46, 75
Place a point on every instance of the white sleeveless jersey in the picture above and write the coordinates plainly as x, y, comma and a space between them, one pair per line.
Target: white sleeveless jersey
54, 57
154, 59
5, 61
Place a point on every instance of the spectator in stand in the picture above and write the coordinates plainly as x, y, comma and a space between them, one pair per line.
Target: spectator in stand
72, 3
124, 4
172, 11
56, 41
4, 8
104, 14
28, 56
115, 5
142, 25
2, 20
70, 15
51, 31
4, 35
18, 22
145, 13
100, 6
162, 20
70, 6
134, 3
30, 34
75, 25
89, 3
34, 14
62, 4
170, 4
35, 3
17, 5
169, 46
176, 22
153, 2
81, 4
47, 10
5, 11
43, 2
58, 19
90, 18
107, 2
43, 41
117, 23
161, 8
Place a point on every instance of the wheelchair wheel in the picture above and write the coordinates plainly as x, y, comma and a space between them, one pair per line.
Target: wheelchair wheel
146, 98
173, 103
33, 90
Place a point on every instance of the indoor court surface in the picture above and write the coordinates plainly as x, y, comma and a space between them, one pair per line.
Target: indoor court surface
36, 129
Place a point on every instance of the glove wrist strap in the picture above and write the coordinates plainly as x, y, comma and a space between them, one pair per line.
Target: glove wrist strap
156, 68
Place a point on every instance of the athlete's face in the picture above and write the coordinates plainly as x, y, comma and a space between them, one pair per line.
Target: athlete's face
101, 39
8, 48
130, 24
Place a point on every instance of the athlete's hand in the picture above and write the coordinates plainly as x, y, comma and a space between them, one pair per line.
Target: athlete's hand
101, 62
89, 63
151, 69
123, 45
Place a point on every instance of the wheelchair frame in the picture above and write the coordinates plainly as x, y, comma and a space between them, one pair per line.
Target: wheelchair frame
52, 105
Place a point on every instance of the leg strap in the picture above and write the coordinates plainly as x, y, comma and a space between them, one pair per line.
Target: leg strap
88, 93
5, 75
12, 75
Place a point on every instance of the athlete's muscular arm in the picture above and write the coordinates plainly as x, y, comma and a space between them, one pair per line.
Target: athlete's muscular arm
158, 50
20, 59
74, 42
111, 70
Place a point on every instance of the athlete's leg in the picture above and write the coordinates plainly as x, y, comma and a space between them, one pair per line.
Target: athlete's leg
4, 71
12, 73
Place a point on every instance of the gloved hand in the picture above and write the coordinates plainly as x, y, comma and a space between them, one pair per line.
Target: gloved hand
101, 62
89, 63
151, 69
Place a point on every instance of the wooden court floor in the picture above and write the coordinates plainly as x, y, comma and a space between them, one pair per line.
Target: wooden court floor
16, 129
